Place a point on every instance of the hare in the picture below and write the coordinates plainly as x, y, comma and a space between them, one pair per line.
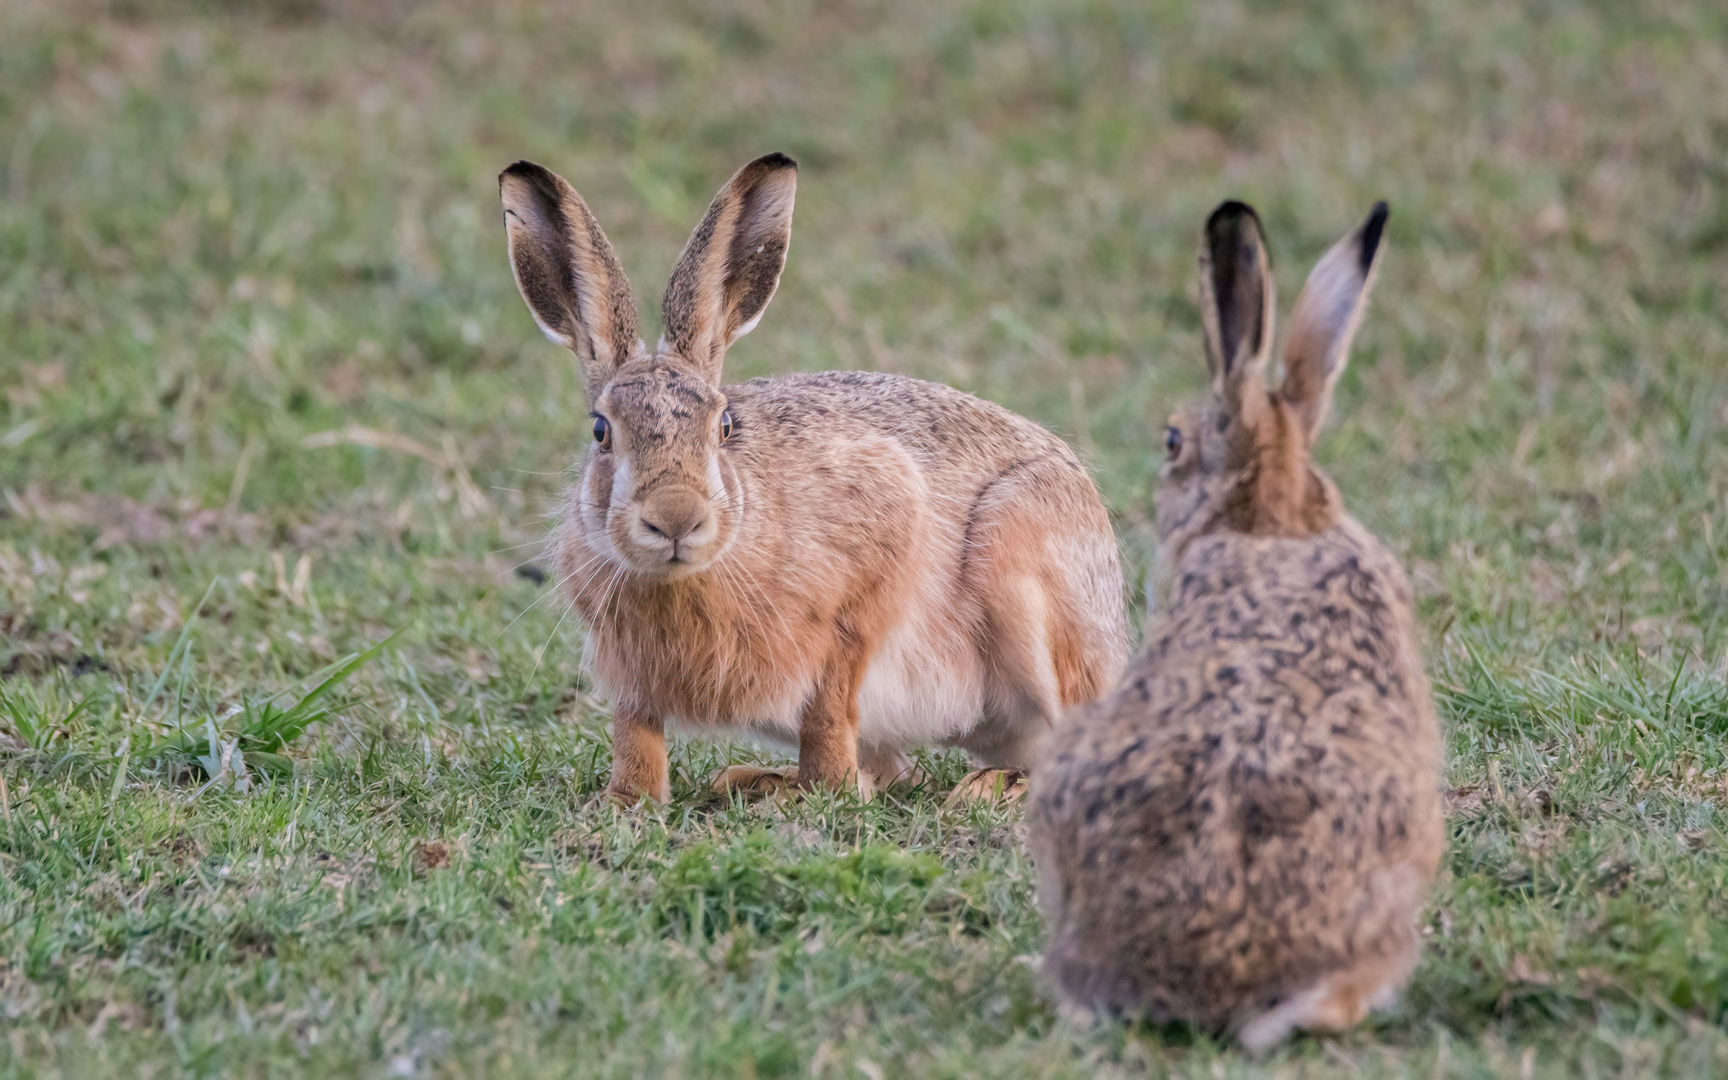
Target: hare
1240, 836
849, 563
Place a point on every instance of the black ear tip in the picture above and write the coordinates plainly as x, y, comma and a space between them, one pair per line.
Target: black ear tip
1372, 231
524, 169
543, 182
1229, 212
776, 160
1235, 228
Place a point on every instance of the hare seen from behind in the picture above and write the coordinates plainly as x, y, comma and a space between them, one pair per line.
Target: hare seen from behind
1242, 834
852, 564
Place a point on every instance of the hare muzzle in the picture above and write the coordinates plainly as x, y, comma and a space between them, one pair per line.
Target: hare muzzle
677, 525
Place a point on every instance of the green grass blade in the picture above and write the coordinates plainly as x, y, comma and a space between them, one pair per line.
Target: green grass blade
280, 727
179, 644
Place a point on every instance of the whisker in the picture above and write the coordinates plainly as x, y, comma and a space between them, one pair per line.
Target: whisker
552, 591
762, 596
613, 587
557, 626
604, 562
516, 547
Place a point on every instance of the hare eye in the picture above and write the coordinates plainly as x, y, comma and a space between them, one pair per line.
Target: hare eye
602, 433
725, 425
1173, 442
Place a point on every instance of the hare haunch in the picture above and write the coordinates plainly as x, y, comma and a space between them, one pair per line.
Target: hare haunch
1241, 834
854, 564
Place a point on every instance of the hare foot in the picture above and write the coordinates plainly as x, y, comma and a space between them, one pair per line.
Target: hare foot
990, 785
753, 780
616, 800
1334, 1004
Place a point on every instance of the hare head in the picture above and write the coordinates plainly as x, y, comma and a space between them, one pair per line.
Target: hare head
658, 494
1241, 458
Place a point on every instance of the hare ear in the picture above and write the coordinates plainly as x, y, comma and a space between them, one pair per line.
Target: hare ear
567, 272
1237, 299
1326, 316
731, 266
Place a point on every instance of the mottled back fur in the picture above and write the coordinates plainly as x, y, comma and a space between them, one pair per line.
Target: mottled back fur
849, 563
1241, 835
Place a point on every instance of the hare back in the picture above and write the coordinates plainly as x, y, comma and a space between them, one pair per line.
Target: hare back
869, 507
952, 435
1258, 804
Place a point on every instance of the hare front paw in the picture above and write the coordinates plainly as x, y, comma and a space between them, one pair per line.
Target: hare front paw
988, 785
752, 780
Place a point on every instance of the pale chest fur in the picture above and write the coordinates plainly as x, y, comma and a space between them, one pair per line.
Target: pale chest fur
710, 650
740, 647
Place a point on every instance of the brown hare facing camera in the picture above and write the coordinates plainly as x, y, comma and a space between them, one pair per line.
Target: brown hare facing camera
1242, 834
849, 563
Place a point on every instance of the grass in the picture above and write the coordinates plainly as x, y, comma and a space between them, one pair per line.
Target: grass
259, 345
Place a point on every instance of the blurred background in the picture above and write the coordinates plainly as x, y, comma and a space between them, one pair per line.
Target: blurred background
227, 227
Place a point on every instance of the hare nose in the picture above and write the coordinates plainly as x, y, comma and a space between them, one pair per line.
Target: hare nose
674, 514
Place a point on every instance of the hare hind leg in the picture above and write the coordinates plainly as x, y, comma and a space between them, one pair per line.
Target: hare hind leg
1024, 702
1055, 627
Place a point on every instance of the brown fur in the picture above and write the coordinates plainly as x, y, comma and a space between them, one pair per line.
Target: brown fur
1242, 834
867, 563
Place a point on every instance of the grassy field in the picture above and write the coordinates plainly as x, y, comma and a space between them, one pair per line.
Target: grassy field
267, 394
